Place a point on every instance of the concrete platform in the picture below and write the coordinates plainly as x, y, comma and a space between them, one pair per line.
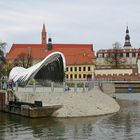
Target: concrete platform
32, 112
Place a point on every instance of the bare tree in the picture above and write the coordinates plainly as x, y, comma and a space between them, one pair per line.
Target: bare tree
2, 58
24, 60
114, 57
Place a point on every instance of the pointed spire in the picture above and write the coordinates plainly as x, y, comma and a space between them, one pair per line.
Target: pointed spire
127, 44
50, 46
43, 29
44, 35
127, 30
49, 39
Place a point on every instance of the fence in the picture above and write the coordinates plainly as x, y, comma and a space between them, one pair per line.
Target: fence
67, 86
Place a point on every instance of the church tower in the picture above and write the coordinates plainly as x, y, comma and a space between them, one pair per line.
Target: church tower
50, 46
127, 44
44, 35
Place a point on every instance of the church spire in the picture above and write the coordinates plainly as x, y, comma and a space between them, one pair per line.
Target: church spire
50, 46
127, 44
44, 35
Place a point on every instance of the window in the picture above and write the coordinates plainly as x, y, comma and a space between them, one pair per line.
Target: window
133, 54
79, 68
79, 76
67, 69
70, 68
67, 76
84, 68
100, 55
84, 76
71, 76
75, 76
75, 68
127, 54
88, 68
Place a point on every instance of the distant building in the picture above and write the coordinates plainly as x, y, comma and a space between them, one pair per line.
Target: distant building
80, 58
129, 53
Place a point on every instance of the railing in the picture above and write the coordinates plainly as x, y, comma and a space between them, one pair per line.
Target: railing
67, 86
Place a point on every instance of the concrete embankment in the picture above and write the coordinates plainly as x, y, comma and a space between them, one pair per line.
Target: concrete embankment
120, 87
127, 87
92, 103
108, 88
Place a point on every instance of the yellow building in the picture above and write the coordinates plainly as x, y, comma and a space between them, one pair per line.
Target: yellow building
80, 72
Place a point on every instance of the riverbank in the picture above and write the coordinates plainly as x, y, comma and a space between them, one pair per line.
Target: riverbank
92, 103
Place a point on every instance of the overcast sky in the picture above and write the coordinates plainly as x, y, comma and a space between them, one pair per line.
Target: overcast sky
100, 22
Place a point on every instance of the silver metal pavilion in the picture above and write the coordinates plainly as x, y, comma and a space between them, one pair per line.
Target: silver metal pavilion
50, 68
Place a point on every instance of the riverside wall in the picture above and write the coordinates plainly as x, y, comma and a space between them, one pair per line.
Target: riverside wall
112, 87
82, 104
127, 87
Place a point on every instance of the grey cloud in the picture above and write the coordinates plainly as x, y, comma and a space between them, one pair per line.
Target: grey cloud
99, 22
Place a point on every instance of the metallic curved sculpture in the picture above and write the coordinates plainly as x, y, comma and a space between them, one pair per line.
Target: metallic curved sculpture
50, 68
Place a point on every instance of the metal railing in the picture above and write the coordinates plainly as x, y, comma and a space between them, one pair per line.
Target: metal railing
67, 86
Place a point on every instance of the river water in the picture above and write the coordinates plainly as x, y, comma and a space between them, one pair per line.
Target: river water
124, 125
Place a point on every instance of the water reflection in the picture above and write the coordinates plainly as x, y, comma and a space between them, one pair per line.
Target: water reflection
126, 123
120, 126
16, 127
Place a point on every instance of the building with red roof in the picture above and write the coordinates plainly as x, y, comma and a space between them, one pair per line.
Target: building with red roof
127, 53
80, 58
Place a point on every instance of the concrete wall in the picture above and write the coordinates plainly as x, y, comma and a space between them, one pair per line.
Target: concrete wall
113, 71
102, 61
127, 87
108, 88
138, 64
122, 87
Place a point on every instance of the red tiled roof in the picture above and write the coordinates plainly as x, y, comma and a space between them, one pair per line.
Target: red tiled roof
120, 50
74, 53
